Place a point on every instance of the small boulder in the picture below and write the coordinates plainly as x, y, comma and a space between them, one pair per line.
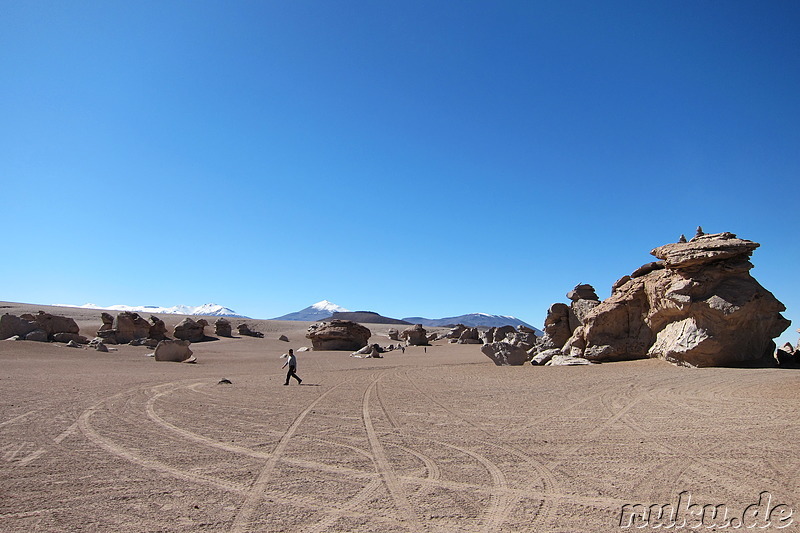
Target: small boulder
176, 351
283, 338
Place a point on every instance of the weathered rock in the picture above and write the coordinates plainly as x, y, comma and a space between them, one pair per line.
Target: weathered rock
176, 351
338, 335
703, 309
456, 331
69, 337
53, 324
126, 327
245, 330
578, 311
503, 353
393, 334
222, 327
566, 360
31, 327
544, 356
525, 329
415, 336
303, 349
432, 337
582, 291
283, 338
73, 344
498, 334
100, 347
158, 330
37, 335
470, 336
12, 325
190, 330
556, 326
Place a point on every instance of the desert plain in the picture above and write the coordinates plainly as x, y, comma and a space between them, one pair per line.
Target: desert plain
433, 439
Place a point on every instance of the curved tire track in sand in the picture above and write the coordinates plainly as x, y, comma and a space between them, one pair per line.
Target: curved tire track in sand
393, 484
84, 424
256, 492
549, 481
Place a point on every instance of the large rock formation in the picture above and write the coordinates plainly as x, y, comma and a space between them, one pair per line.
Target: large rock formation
245, 330
697, 306
40, 327
127, 326
415, 336
338, 335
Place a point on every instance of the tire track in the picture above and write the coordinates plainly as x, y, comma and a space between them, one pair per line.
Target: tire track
398, 493
84, 424
256, 492
549, 481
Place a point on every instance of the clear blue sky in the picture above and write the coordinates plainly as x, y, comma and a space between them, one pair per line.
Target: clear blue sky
411, 158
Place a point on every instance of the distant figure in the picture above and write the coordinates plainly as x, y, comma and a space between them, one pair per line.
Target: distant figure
403, 348
292, 362
682, 238
426, 349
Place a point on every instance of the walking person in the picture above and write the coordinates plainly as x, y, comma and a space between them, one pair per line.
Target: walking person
292, 362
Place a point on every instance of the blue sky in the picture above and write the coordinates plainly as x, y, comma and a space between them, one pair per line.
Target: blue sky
412, 158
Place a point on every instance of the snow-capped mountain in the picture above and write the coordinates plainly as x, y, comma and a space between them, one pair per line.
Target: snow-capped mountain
204, 310
312, 313
472, 320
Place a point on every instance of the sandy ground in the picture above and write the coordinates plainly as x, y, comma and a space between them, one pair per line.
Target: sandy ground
437, 441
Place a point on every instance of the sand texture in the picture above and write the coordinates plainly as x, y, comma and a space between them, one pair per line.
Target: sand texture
438, 441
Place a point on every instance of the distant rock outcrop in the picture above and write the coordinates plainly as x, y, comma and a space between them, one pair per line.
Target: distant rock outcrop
41, 327
245, 330
222, 327
415, 336
338, 335
698, 306
191, 330
123, 328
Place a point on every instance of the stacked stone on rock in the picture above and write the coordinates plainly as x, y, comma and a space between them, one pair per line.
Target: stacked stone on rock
338, 335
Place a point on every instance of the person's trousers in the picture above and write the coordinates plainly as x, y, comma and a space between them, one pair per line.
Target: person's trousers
291, 374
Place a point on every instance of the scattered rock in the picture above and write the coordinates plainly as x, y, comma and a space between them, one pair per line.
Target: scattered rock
245, 330
393, 334
303, 349
544, 356
175, 351
37, 335
415, 336
100, 347
73, 344
504, 353
566, 360
158, 329
224, 381
338, 335
283, 338
222, 328
190, 330
70, 337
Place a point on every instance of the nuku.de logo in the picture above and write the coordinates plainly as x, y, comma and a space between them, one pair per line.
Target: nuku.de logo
685, 514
